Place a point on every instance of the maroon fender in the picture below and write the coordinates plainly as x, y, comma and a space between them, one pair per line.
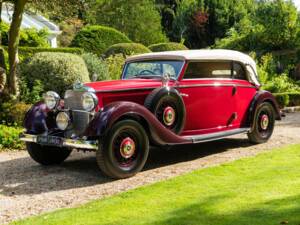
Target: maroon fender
115, 111
260, 97
38, 119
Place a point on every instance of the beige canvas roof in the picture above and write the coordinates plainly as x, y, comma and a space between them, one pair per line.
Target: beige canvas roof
216, 54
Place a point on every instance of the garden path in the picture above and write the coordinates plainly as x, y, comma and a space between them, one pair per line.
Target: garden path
27, 188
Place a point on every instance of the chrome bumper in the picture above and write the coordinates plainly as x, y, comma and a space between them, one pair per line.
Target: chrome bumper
70, 143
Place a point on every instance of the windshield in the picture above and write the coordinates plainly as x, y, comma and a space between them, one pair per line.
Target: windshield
152, 69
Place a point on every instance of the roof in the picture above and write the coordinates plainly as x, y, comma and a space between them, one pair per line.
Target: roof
29, 20
216, 54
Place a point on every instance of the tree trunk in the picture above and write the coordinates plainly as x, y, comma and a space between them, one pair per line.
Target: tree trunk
13, 43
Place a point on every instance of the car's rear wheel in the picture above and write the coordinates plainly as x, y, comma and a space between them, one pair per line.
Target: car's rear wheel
47, 155
263, 124
124, 150
168, 107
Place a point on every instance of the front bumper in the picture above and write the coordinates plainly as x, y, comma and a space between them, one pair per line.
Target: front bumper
69, 143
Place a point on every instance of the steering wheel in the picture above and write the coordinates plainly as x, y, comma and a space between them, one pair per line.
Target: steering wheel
146, 72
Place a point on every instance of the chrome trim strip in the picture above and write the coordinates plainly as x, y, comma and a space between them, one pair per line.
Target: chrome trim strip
216, 136
216, 85
79, 144
127, 89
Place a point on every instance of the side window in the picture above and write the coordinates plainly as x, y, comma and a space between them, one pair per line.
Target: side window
196, 70
239, 71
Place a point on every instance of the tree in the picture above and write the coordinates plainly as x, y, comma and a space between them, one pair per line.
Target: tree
201, 22
274, 25
139, 20
167, 9
14, 33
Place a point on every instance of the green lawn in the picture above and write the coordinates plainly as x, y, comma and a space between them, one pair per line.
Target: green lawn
261, 190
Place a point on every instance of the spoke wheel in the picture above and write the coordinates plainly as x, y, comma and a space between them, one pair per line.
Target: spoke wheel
124, 151
263, 124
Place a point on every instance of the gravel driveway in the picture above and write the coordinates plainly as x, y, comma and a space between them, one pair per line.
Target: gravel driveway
27, 188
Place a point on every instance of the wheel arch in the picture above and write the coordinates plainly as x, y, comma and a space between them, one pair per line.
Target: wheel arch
259, 98
118, 111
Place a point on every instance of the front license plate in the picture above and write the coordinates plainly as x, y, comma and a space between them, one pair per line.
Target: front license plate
49, 140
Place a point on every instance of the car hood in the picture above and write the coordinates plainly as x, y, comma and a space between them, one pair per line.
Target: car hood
124, 85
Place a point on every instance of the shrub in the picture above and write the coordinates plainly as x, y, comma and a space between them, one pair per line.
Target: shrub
30, 94
115, 66
56, 71
126, 49
98, 70
28, 52
12, 113
28, 37
281, 83
9, 137
294, 98
283, 99
288, 99
171, 46
4, 28
34, 38
97, 39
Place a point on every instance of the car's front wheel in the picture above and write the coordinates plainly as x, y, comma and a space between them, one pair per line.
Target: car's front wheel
47, 155
124, 150
263, 124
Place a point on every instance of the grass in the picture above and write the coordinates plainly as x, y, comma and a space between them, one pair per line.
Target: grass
261, 190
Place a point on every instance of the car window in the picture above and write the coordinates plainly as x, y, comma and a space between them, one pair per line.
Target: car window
150, 69
239, 71
196, 70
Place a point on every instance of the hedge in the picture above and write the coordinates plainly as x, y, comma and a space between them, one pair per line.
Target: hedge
170, 46
57, 71
126, 49
288, 99
96, 39
28, 52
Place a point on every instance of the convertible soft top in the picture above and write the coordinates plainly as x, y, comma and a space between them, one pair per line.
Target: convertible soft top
215, 54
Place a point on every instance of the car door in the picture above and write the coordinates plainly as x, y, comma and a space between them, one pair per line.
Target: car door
208, 93
244, 94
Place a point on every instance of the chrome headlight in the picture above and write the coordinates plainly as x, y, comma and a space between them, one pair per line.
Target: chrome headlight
89, 101
51, 99
62, 120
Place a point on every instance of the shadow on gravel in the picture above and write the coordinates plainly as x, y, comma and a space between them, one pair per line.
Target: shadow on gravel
24, 177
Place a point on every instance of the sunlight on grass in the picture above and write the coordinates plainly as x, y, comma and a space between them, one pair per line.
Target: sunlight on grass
260, 190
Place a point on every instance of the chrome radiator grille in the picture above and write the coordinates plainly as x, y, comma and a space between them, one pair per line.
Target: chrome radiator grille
79, 119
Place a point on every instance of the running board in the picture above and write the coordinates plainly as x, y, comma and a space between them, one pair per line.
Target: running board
216, 136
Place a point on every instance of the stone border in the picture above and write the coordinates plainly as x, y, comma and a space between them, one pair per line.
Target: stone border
291, 109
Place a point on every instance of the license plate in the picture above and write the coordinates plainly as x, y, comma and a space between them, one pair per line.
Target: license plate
49, 140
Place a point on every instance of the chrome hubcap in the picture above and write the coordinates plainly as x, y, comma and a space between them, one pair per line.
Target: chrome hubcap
127, 148
264, 122
169, 116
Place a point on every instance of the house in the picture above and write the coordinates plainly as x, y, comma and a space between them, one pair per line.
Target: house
32, 20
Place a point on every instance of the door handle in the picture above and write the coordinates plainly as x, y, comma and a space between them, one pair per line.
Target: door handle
184, 95
234, 90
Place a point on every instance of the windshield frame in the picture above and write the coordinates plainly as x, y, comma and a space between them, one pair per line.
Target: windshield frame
125, 67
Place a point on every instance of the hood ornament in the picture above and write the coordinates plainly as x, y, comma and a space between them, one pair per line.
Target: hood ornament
77, 85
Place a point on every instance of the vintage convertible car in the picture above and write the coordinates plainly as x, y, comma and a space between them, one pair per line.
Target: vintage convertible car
162, 99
